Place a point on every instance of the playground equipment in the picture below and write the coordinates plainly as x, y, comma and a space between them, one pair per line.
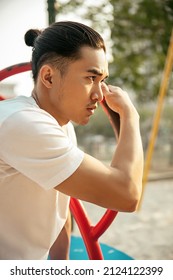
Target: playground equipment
87, 247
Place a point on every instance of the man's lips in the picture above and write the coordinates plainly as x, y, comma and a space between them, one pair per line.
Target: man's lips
91, 109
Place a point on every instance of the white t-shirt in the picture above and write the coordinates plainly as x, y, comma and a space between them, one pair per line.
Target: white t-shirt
36, 154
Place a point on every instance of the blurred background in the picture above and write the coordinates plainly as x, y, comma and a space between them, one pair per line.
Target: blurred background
137, 35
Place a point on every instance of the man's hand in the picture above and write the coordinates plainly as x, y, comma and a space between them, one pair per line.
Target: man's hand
113, 117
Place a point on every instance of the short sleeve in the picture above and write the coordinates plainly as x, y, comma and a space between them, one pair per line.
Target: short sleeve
35, 145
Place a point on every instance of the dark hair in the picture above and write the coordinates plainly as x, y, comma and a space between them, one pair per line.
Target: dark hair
60, 43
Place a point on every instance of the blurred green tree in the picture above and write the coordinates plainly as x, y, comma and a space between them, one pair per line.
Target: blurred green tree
141, 32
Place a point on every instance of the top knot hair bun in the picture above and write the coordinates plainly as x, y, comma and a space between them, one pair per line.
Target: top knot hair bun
30, 36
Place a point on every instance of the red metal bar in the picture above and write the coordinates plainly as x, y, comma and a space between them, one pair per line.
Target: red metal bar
90, 234
14, 69
92, 245
104, 223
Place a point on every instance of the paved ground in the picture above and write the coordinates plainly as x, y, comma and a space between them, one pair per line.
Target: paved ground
146, 234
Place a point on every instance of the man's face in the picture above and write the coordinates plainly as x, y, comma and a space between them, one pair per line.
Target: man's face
77, 92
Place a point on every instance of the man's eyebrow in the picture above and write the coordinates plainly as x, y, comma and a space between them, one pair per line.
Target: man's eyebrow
96, 72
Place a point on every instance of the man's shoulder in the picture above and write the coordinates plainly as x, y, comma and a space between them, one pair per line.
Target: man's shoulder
11, 106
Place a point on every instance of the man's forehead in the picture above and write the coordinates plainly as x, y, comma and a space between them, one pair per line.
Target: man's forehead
93, 60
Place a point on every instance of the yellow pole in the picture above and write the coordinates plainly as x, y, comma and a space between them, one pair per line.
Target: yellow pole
154, 131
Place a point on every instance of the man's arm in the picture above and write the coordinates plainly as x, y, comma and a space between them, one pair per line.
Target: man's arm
117, 186
60, 248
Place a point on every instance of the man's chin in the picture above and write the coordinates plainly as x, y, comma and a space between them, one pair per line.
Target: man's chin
83, 122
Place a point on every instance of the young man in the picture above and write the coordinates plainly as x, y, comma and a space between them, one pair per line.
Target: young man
40, 164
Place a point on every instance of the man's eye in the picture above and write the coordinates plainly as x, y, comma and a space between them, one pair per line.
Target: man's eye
92, 78
103, 81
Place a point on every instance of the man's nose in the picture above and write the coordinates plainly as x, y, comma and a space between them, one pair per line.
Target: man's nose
97, 94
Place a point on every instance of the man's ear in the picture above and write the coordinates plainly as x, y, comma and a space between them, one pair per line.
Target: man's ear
46, 74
